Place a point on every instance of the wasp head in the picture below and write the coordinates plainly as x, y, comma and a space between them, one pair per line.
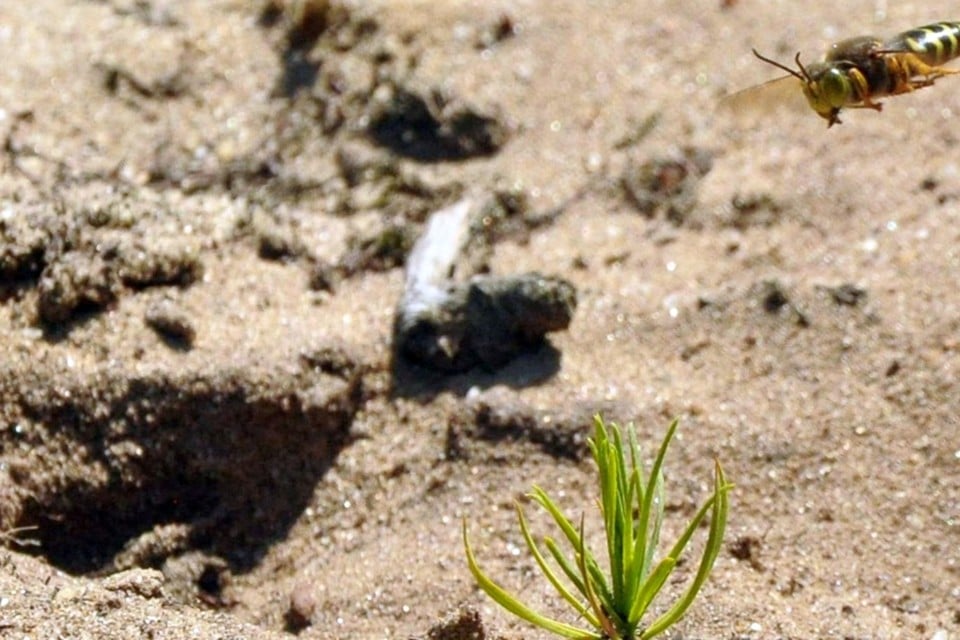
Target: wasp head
825, 85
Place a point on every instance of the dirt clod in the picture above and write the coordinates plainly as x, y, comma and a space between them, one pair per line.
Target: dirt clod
775, 300
487, 322
754, 209
462, 625
747, 548
385, 249
428, 126
24, 235
847, 294
308, 20
77, 282
666, 186
502, 28
152, 264
146, 583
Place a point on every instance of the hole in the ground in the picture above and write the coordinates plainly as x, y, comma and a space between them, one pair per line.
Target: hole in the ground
125, 473
89, 536
210, 584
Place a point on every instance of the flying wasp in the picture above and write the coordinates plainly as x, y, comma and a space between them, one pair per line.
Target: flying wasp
856, 71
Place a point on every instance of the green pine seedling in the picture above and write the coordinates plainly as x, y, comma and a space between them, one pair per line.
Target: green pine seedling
632, 512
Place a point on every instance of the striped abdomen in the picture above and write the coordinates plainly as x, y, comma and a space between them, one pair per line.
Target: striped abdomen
934, 44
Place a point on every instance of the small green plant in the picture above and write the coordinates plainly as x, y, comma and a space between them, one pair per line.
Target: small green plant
632, 513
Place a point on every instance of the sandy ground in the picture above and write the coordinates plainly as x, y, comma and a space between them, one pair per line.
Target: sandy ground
204, 210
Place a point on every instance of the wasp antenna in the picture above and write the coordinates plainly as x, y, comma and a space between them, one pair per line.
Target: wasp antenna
781, 66
803, 69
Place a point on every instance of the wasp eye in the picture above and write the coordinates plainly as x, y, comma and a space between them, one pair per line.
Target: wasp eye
835, 88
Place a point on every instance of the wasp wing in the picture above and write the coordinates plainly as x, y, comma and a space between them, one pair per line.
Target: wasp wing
747, 104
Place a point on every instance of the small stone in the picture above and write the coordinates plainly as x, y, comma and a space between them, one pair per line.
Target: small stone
323, 277
303, 603
168, 318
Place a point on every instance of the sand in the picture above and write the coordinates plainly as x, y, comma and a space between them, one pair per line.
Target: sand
205, 207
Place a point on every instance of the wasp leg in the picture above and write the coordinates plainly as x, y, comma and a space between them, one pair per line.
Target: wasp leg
909, 73
906, 84
862, 90
914, 67
876, 106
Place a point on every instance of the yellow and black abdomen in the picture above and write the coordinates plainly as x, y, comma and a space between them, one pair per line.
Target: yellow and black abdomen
934, 44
